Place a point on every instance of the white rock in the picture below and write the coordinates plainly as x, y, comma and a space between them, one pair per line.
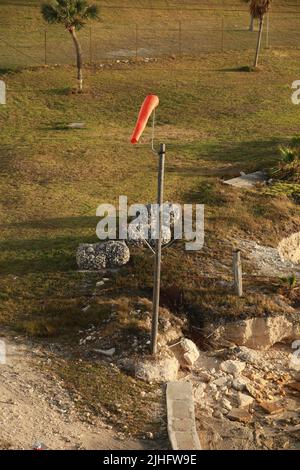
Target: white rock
260, 332
190, 351
160, 370
76, 125
248, 355
212, 388
199, 391
244, 400
221, 381
233, 367
239, 384
226, 404
106, 352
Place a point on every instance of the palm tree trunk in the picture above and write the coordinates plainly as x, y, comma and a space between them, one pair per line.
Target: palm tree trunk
78, 57
251, 25
261, 22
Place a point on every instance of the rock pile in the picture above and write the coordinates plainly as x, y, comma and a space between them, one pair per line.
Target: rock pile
113, 254
97, 256
146, 227
241, 385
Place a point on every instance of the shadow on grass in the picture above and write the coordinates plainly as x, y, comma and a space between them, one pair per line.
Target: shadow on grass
39, 255
59, 222
64, 91
9, 70
246, 156
49, 253
244, 68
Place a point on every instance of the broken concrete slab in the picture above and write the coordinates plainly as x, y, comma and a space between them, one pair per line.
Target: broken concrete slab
181, 416
259, 332
247, 181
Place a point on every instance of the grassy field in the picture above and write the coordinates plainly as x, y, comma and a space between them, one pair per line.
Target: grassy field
142, 28
216, 120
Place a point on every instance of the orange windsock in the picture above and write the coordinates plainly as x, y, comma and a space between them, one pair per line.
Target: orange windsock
150, 103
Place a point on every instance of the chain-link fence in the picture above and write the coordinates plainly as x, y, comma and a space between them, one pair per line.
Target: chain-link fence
112, 41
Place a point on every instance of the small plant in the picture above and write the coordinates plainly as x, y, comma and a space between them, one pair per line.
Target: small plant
290, 282
288, 168
288, 154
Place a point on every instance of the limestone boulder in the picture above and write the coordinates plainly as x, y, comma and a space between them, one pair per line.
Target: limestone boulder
260, 332
186, 352
164, 369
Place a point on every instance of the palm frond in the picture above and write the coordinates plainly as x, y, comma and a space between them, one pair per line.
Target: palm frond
258, 8
92, 12
49, 13
70, 13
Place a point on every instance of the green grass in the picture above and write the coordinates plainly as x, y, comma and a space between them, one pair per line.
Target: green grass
216, 121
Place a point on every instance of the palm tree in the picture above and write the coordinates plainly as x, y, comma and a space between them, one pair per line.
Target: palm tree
258, 9
73, 15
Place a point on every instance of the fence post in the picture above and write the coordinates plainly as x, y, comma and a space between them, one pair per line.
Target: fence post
136, 41
45, 47
180, 38
222, 34
237, 273
267, 30
90, 45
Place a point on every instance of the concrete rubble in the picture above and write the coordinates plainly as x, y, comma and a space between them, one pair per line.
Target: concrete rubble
247, 181
259, 333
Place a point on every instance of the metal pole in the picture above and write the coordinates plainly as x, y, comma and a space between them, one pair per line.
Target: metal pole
156, 286
45, 47
180, 39
136, 41
222, 34
267, 32
91, 58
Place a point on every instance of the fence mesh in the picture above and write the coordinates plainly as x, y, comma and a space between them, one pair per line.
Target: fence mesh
104, 41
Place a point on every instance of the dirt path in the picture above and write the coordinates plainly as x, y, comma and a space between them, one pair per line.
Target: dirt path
35, 408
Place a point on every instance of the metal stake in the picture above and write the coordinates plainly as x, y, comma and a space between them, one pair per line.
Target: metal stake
45, 47
237, 273
268, 29
156, 286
